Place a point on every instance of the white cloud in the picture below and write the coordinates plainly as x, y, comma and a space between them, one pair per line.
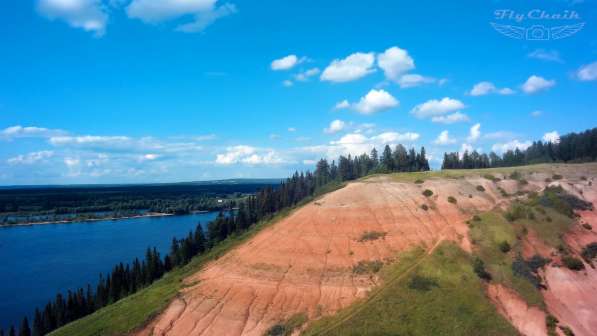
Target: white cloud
30, 158
248, 155
394, 137
412, 80
357, 143
536, 113
587, 72
466, 148
545, 55
18, 131
351, 68
436, 107
342, 105
475, 133
305, 75
204, 12
151, 157
512, 145
291, 129
444, 139
285, 63
553, 137
450, 118
375, 101
309, 162
274, 136
335, 127
89, 140
485, 88
89, 15
287, 83
536, 83
394, 62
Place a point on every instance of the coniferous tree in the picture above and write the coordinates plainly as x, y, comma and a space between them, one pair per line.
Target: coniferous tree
25, 330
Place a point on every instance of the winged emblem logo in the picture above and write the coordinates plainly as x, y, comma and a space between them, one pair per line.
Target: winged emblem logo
537, 32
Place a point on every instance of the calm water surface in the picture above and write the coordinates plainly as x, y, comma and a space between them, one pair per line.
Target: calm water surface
38, 261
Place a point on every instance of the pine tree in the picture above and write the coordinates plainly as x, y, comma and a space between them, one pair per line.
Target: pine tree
24, 330
12, 332
386, 159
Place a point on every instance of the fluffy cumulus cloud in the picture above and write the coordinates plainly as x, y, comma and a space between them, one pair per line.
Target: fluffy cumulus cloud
89, 15
474, 133
511, 145
285, 63
587, 72
248, 155
485, 88
358, 143
436, 107
350, 68
335, 127
444, 139
203, 12
31, 158
394, 62
535, 84
375, 101
18, 131
545, 55
536, 113
553, 137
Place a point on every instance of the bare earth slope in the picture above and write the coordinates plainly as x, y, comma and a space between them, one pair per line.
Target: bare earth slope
304, 263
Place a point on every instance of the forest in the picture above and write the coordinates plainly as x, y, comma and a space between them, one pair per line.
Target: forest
127, 279
572, 147
52, 204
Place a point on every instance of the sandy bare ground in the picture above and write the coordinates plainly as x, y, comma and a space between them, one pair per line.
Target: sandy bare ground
303, 264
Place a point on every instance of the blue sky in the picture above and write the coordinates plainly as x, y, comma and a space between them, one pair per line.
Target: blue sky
113, 91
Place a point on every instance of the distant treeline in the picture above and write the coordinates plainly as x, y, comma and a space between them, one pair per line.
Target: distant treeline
572, 147
125, 280
52, 203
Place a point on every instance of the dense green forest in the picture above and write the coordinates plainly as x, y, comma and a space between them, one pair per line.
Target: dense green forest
127, 279
572, 147
51, 204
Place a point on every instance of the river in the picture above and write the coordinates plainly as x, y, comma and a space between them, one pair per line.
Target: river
38, 261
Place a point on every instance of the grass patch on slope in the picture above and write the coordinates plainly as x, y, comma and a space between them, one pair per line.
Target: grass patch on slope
136, 310
489, 236
421, 294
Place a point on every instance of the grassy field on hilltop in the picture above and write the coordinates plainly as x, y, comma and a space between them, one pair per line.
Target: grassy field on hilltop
550, 168
436, 294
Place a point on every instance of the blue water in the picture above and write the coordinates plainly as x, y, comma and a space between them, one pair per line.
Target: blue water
38, 261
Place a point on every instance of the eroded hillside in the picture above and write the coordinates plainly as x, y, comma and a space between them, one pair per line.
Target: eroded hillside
324, 256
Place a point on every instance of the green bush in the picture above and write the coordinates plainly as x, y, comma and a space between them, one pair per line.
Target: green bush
589, 252
551, 322
515, 175
573, 263
491, 178
452, 200
505, 247
372, 235
556, 177
476, 218
480, 188
567, 331
419, 181
287, 328
424, 207
479, 268
422, 283
528, 269
523, 182
367, 267
427, 193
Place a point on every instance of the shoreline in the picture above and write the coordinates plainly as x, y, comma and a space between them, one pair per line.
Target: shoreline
153, 214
